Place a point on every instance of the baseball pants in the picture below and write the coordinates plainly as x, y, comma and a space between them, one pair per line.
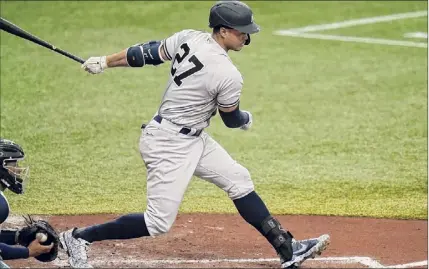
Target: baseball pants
171, 159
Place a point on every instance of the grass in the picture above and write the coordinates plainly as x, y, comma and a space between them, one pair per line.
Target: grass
340, 128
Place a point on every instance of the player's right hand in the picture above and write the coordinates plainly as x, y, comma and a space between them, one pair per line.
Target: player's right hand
35, 248
95, 65
247, 126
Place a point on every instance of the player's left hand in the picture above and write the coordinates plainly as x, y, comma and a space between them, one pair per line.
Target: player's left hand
95, 65
247, 126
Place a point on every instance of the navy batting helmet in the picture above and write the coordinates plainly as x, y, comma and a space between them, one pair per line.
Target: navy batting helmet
11, 175
233, 14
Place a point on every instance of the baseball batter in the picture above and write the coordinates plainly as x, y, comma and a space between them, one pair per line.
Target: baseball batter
174, 145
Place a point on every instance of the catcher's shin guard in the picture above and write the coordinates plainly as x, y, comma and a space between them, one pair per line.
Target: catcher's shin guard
280, 239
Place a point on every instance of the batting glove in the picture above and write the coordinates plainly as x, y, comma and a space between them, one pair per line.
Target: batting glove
95, 65
247, 126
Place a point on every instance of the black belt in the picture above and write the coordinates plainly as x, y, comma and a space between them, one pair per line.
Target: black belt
184, 130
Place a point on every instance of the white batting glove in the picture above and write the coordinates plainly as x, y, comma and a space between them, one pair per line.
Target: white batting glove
95, 65
247, 126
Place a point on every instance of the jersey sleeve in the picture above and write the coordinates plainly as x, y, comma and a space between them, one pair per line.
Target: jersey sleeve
230, 90
13, 252
170, 44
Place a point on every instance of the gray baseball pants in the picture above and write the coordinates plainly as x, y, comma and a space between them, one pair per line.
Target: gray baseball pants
171, 159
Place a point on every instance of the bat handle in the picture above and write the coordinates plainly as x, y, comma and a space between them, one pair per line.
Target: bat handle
71, 56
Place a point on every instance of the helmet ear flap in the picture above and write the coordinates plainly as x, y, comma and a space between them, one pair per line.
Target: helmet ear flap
248, 40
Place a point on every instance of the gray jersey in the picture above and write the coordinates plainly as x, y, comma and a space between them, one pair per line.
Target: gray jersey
202, 77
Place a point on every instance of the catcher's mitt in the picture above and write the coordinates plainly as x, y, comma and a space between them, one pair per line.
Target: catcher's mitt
28, 234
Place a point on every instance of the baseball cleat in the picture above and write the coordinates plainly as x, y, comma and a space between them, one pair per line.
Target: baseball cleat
76, 249
305, 249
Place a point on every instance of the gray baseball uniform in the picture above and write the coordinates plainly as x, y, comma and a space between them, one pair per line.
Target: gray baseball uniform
202, 78
174, 145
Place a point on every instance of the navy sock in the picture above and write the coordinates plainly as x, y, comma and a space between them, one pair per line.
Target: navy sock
125, 227
252, 209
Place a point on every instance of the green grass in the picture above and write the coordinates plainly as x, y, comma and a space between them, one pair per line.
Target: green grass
340, 128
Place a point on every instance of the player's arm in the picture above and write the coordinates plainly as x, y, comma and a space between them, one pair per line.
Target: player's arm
233, 117
13, 252
228, 100
152, 53
8, 252
139, 55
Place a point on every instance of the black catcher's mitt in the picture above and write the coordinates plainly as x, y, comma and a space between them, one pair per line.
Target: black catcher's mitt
28, 234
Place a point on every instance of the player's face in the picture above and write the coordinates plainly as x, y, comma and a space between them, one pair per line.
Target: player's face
235, 39
20, 173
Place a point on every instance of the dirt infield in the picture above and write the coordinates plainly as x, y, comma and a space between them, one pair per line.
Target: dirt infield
217, 240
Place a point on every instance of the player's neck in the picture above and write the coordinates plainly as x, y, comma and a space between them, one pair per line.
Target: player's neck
219, 41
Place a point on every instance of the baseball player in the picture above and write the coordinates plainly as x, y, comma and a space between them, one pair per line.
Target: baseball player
12, 177
174, 145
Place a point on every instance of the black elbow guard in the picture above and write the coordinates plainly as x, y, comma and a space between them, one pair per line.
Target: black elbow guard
235, 118
143, 54
135, 56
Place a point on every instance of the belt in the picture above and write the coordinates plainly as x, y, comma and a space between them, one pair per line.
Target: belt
184, 130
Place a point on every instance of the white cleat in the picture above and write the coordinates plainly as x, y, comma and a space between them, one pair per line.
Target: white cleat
76, 249
305, 249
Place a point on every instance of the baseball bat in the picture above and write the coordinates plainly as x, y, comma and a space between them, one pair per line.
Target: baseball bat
15, 30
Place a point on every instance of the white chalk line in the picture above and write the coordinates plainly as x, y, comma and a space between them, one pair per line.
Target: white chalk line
416, 35
304, 31
126, 261
355, 39
409, 265
363, 21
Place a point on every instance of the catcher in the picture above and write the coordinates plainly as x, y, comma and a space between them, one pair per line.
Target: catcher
22, 243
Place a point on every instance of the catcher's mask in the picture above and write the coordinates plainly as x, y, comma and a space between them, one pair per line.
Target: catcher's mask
235, 15
12, 176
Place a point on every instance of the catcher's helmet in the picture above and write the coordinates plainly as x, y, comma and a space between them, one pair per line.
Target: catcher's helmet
233, 14
11, 175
